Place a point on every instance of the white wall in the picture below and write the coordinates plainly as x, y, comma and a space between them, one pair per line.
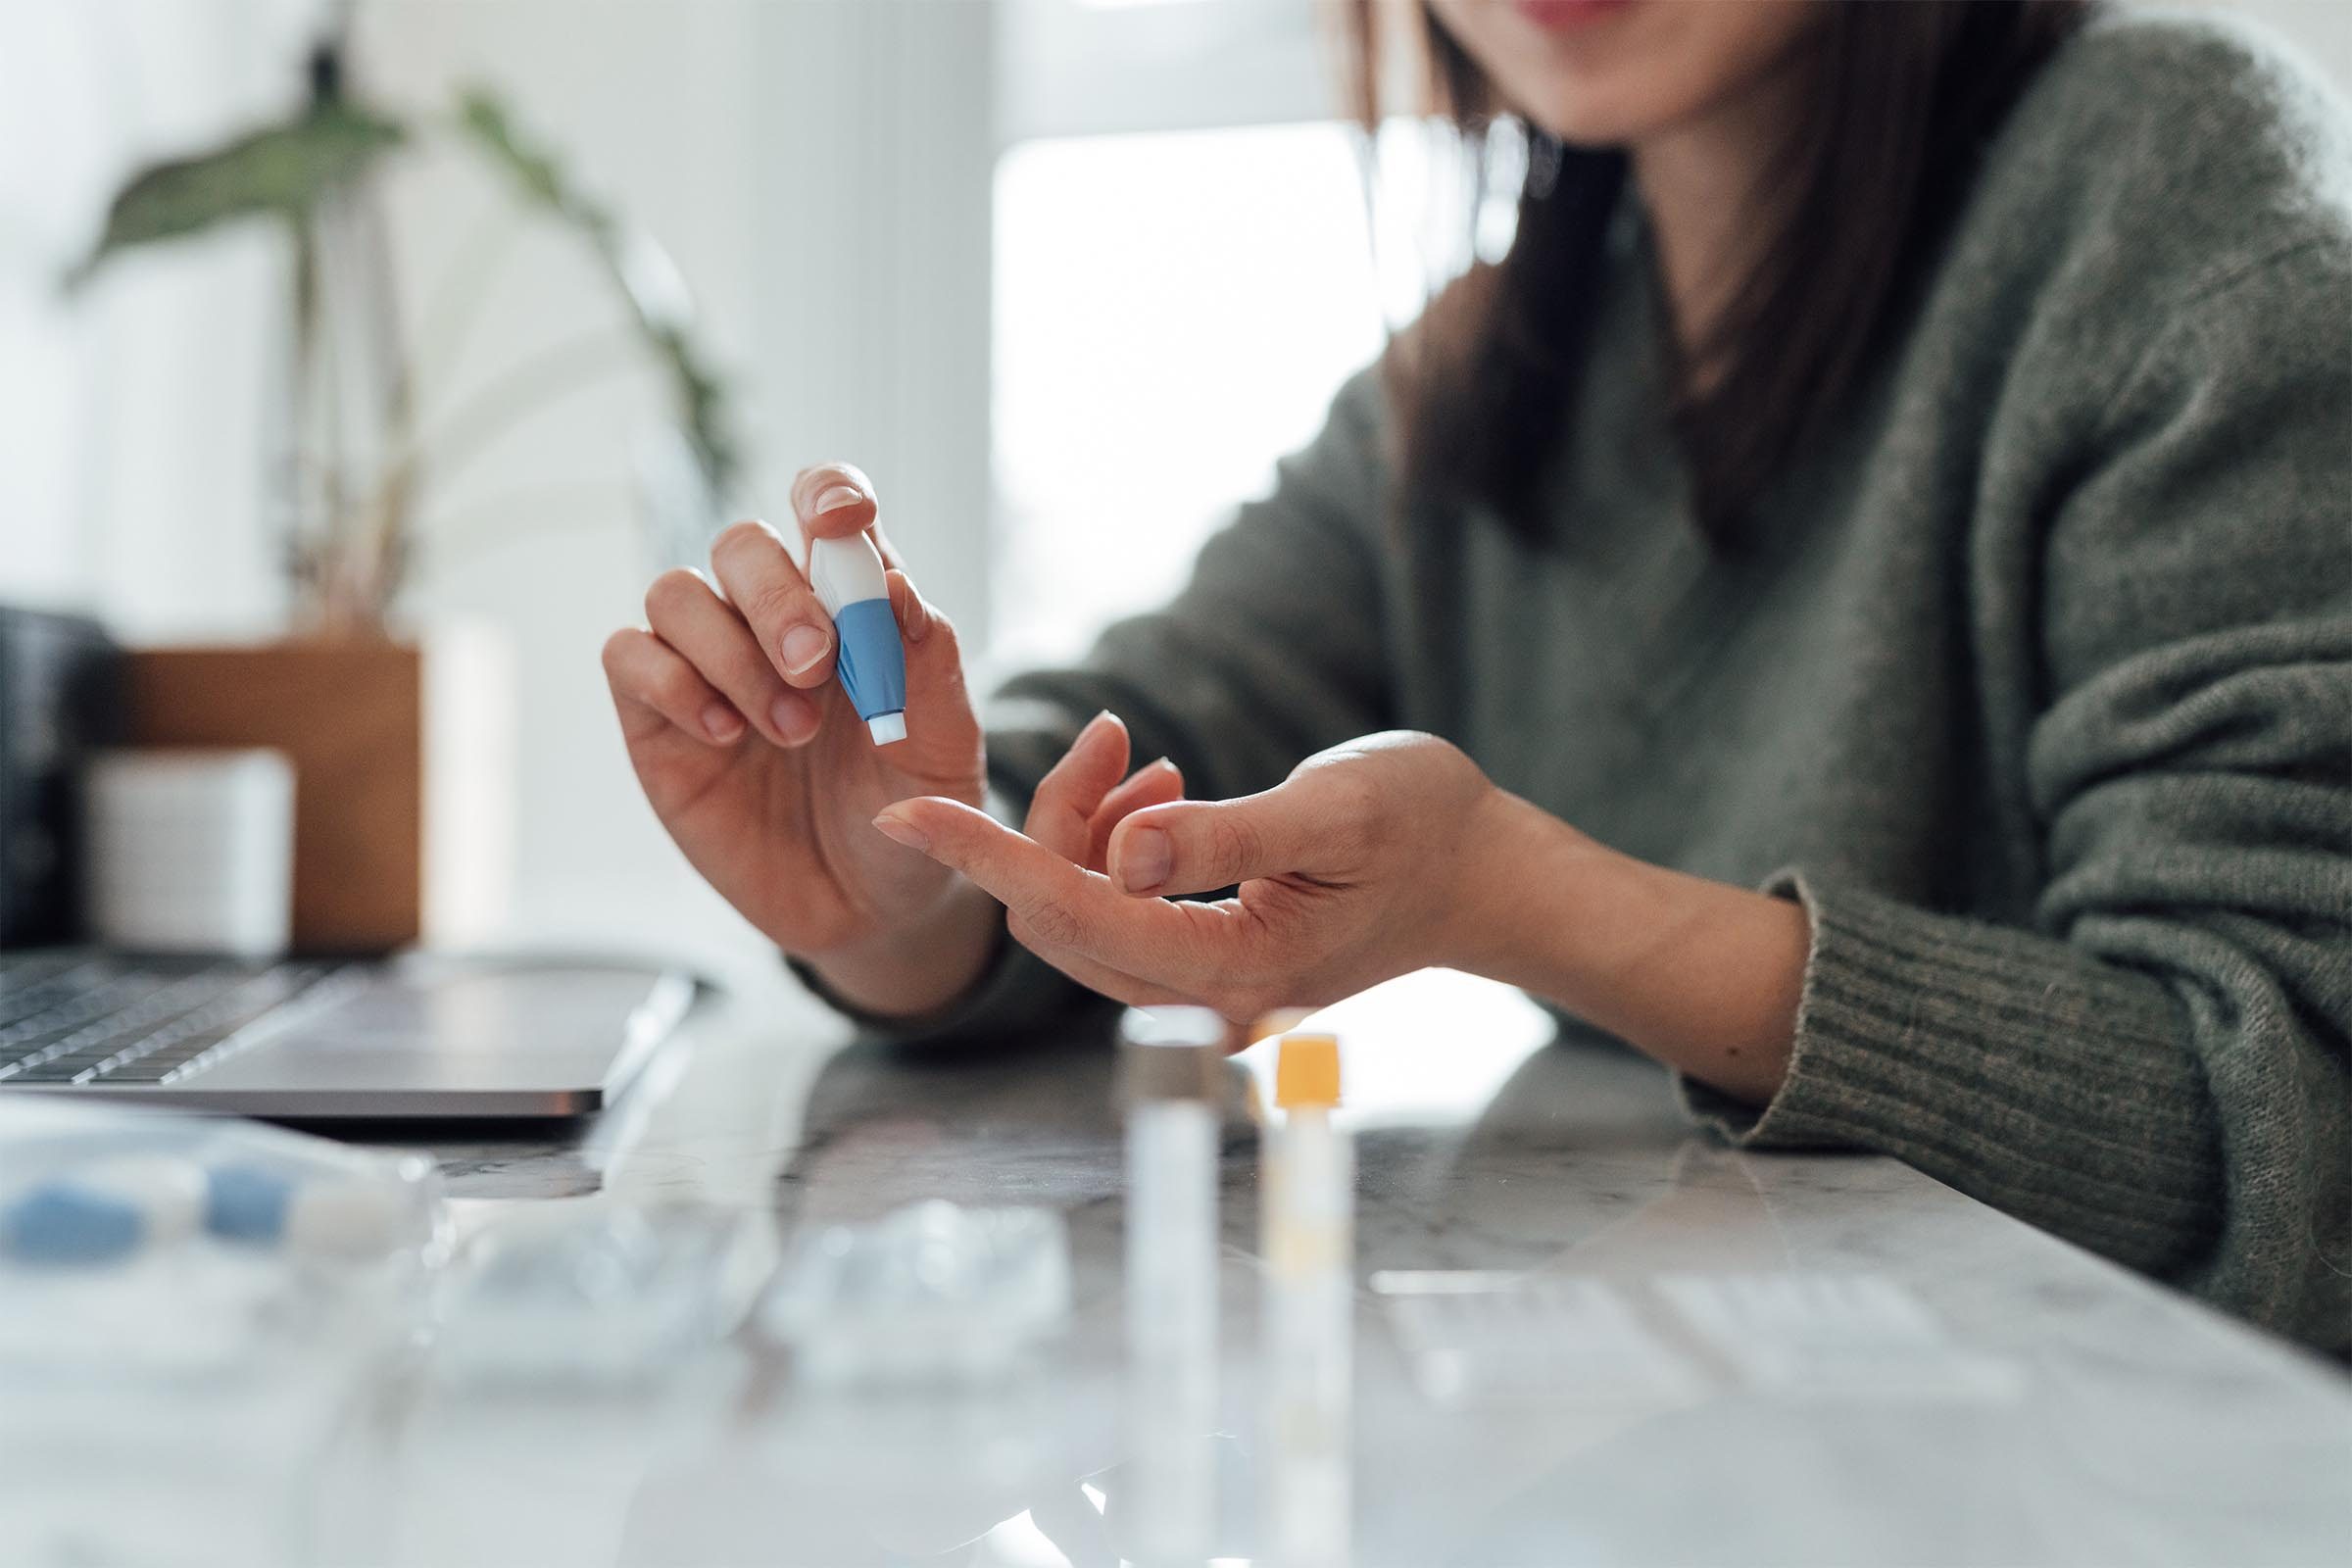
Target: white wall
165, 530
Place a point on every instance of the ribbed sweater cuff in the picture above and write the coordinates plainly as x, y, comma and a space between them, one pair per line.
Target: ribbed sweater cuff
1942, 1039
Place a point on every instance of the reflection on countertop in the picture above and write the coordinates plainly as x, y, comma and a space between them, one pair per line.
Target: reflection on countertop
1571, 1162
1540, 1201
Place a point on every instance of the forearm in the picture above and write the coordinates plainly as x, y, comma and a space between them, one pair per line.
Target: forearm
1701, 975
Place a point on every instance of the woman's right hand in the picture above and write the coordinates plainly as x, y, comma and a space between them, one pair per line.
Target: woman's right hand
760, 768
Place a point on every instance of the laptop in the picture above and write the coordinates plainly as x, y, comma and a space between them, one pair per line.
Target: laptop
413, 1038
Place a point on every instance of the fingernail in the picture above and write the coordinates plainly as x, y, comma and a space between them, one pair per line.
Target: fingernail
1144, 861
792, 718
901, 830
835, 498
917, 625
721, 722
803, 646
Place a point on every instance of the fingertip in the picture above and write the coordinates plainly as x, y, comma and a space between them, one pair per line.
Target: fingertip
722, 724
943, 826
833, 500
794, 717
846, 518
1095, 729
914, 617
923, 810
894, 824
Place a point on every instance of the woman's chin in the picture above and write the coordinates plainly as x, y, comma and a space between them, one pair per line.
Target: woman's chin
1591, 120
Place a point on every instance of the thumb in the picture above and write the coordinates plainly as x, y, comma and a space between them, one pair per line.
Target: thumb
1201, 845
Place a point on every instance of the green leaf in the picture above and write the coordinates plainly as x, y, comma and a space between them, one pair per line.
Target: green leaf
638, 268
284, 169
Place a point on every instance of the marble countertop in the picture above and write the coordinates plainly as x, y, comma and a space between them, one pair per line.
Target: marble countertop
2040, 1406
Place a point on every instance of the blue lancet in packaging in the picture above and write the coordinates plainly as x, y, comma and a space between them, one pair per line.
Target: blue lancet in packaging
846, 574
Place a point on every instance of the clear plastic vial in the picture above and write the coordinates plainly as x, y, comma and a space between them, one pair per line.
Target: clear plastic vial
1309, 1360
1170, 1073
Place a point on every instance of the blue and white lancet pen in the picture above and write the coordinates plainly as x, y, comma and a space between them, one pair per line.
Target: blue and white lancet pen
846, 574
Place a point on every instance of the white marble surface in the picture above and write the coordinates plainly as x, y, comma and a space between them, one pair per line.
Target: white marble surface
2113, 1422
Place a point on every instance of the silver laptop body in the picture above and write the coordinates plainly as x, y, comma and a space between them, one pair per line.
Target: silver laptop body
420, 1037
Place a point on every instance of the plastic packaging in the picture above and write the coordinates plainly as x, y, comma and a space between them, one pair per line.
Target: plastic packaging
135, 1240
848, 576
931, 1293
594, 1293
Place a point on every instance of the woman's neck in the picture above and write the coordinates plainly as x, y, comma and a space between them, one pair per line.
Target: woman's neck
1701, 183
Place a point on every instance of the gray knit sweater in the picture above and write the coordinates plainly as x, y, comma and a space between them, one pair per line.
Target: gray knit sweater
2039, 696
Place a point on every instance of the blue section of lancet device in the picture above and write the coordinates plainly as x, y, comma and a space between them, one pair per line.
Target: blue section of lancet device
873, 666
846, 574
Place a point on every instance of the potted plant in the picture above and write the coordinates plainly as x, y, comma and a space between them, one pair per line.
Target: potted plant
398, 740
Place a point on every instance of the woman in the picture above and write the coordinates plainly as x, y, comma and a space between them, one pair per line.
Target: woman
1857, 604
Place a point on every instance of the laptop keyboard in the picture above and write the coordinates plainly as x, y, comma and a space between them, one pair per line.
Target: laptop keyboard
79, 1018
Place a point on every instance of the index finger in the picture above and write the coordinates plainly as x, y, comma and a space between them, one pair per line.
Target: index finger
1062, 903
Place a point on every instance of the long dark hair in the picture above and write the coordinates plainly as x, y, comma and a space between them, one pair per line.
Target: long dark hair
1902, 98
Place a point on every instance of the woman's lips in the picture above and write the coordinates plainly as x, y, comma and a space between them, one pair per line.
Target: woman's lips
1560, 16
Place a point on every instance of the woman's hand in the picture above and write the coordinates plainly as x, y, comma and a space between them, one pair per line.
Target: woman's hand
755, 761
1364, 864
1380, 856
757, 764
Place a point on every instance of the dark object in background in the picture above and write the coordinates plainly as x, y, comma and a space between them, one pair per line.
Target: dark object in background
60, 696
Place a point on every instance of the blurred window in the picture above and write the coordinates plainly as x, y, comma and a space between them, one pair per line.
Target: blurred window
1173, 312
1184, 274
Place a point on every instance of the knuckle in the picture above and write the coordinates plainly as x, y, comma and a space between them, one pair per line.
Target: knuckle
776, 600
1051, 922
1234, 843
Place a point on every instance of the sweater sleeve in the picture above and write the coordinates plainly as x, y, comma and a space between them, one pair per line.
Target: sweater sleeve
1275, 649
2158, 1070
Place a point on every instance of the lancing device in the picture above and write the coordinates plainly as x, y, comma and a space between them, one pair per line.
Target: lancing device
846, 574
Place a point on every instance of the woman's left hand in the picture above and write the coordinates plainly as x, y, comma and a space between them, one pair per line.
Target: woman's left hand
1386, 854
1369, 861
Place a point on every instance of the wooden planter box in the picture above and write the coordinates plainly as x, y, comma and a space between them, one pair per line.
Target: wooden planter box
404, 773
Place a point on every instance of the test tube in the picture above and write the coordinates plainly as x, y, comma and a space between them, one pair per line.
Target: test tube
1170, 1072
1309, 1240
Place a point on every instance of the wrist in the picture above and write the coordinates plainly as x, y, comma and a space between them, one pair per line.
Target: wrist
919, 967
1524, 878
1702, 975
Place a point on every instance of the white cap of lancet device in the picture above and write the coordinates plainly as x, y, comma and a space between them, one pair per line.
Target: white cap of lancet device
887, 727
